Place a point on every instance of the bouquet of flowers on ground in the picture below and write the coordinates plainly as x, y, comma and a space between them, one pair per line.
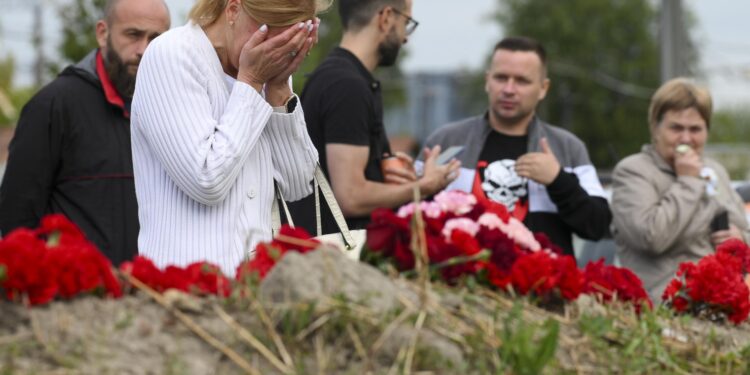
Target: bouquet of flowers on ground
54, 260
610, 283
268, 254
199, 278
466, 238
716, 287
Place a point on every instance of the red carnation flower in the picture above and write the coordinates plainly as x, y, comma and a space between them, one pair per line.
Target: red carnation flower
465, 242
610, 282
715, 286
267, 255
306, 243
541, 273
497, 277
82, 269
739, 250
504, 250
571, 279
546, 243
174, 277
60, 225
674, 296
534, 273
207, 278
145, 271
27, 268
387, 231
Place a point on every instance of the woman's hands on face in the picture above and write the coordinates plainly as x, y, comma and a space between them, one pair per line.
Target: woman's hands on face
687, 162
271, 61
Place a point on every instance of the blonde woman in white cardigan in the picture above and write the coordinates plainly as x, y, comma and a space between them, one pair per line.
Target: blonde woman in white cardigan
214, 123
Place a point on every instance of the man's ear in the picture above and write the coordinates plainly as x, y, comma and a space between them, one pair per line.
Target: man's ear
545, 87
384, 19
102, 32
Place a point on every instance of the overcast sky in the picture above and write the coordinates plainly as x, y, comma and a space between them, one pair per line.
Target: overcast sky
458, 34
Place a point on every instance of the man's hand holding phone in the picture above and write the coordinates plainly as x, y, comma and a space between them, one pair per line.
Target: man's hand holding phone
437, 176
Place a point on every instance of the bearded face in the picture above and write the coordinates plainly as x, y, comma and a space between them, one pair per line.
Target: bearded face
389, 48
122, 73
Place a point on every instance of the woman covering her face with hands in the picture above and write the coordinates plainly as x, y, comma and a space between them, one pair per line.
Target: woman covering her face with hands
671, 203
214, 123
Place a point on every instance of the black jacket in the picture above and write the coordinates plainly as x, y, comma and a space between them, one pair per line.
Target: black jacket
71, 155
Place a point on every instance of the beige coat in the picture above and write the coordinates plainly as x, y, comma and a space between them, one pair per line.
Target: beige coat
661, 220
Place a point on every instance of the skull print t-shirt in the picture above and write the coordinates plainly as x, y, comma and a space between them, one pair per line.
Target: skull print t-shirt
496, 176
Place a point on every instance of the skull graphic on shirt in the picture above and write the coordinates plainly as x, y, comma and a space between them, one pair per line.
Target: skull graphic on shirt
502, 184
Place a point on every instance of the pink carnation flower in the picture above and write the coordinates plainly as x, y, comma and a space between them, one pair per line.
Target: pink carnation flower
456, 201
462, 224
429, 209
514, 229
522, 235
491, 221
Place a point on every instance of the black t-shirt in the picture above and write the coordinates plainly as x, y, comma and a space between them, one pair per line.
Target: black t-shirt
497, 172
500, 183
343, 104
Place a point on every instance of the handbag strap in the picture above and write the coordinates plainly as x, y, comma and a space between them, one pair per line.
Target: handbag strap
325, 188
318, 221
275, 214
321, 183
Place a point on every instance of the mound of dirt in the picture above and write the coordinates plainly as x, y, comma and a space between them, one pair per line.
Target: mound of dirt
321, 313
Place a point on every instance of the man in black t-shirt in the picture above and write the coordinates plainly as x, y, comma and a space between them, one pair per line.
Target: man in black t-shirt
541, 173
344, 114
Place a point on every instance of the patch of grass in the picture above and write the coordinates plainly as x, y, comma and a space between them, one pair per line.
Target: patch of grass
174, 365
527, 348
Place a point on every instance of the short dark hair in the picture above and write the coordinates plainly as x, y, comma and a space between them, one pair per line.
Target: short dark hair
356, 14
525, 44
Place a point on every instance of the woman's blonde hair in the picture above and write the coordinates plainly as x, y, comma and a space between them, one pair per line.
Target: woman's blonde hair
269, 12
676, 95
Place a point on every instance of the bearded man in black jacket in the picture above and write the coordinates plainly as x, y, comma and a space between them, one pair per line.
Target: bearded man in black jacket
71, 150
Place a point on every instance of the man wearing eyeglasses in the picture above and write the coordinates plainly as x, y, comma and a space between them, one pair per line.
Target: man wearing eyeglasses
343, 109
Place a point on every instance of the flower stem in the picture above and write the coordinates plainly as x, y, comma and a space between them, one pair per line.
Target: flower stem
482, 255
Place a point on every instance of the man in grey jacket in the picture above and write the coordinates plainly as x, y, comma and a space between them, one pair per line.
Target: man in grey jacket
542, 174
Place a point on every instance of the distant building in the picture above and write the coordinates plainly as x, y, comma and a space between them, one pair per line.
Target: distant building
432, 100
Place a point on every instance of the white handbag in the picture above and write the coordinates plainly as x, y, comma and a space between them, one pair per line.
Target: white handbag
348, 241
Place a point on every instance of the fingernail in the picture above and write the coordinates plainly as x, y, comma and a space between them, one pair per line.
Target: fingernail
263, 28
308, 23
300, 25
309, 28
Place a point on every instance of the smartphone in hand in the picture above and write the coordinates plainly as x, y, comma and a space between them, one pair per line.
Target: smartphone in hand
720, 221
449, 154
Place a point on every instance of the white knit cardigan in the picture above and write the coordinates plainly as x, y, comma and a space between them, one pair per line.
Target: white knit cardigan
206, 150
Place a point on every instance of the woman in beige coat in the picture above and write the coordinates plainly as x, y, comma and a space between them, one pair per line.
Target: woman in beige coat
665, 198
